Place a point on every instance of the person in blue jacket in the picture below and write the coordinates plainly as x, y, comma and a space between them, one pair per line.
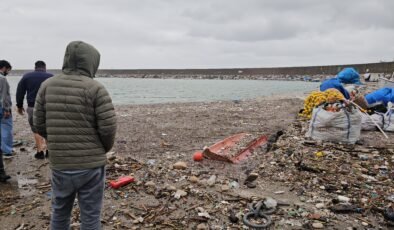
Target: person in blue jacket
29, 85
346, 76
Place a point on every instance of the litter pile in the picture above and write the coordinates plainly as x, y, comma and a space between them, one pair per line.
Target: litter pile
337, 186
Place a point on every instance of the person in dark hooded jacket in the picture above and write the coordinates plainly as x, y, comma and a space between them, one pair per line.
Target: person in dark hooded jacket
29, 85
76, 115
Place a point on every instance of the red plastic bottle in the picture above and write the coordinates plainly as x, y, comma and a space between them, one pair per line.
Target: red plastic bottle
122, 181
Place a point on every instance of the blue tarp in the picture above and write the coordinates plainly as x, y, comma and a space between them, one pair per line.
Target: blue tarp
336, 84
380, 96
349, 76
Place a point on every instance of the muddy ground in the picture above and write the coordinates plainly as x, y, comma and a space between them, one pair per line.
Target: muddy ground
202, 195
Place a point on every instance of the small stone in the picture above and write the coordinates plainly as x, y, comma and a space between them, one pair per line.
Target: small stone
364, 200
225, 188
314, 216
322, 187
363, 157
180, 165
150, 184
317, 225
320, 205
364, 223
251, 184
234, 184
193, 179
202, 182
270, 202
344, 199
180, 193
212, 180
202, 226
251, 177
171, 188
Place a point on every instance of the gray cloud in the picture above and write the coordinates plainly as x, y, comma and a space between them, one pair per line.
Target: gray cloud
200, 34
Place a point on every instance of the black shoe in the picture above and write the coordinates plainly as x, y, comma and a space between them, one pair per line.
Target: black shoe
46, 154
4, 177
39, 155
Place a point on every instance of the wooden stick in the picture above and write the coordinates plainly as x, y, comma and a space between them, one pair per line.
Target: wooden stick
380, 129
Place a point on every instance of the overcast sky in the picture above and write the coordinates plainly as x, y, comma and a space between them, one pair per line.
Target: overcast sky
200, 33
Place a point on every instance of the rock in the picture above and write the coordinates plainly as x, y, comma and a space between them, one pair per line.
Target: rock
251, 177
203, 182
193, 179
314, 216
171, 188
234, 184
251, 184
320, 205
150, 184
179, 193
364, 224
317, 225
225, 188
270, 202
212, 180
203, 213
180, 165
202, 226
343, 199
363, 157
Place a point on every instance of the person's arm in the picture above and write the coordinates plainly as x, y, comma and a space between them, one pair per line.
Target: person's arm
105, 118
20, 92
39, 114
5, 96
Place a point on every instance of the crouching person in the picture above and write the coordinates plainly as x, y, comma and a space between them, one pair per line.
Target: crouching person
76, 116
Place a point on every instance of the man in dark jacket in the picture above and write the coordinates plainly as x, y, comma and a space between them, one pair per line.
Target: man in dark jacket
5, 107
76, 115
29, 84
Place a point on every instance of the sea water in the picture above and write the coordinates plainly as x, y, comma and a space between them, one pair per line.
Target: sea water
147, 91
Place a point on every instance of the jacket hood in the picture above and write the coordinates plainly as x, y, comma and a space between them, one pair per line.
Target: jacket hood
81, 59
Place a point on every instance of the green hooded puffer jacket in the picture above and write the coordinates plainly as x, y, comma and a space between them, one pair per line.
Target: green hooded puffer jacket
75, 113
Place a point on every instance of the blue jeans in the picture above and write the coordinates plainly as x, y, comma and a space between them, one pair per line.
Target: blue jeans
88, 185
7, 136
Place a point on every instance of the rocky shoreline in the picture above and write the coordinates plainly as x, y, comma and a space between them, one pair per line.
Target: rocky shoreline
272, 77
307, 182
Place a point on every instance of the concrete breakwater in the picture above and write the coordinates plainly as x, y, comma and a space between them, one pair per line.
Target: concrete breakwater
310, 73
221, 77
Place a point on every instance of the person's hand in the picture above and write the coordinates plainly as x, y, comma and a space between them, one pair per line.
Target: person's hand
21, 111
6, 114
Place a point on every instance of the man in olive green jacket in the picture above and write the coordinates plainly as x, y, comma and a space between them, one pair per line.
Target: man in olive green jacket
76, 115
